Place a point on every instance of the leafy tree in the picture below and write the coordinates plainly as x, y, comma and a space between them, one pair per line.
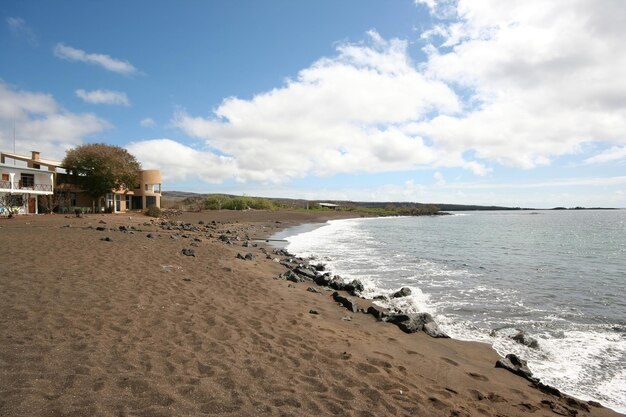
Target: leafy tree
99, 168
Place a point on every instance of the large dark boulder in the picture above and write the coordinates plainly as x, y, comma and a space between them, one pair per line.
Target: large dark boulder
411, 323
524, 339
305, 272
346, 302
336, 283
516, 365
293, 277
323, 280
376, 312
355, 287
403, 292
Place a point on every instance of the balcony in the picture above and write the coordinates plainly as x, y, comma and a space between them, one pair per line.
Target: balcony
25, 186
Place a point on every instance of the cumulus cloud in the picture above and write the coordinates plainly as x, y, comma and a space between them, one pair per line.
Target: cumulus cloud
188, 163
104, 97
41, 124
102, 60
537, 77
20, 29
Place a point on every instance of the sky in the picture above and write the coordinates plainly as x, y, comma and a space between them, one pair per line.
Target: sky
514, 103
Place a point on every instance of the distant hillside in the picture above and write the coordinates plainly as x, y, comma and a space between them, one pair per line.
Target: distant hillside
172, 198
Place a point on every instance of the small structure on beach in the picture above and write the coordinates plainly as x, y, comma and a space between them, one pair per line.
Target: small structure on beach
329, 205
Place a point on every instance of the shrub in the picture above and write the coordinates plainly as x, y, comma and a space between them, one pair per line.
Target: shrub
153, 211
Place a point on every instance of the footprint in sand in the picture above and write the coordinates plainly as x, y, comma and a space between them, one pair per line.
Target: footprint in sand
478, 377
450, 361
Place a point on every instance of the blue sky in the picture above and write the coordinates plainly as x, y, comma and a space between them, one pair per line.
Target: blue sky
520, 104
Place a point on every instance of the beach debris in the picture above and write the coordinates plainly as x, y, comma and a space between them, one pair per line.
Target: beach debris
189, 252
102, 222
346, 302
246, 257
403, 292
150, 236
187, 279
412, 323
291, 286
346, 318
312, 311
170, 268
313, 290
107, 239
100, 228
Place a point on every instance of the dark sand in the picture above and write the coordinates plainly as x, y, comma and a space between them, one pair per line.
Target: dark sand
132, 327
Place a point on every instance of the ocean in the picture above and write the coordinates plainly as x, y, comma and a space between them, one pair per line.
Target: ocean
559, 276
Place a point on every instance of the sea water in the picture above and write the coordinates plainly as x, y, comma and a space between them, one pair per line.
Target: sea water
560, 276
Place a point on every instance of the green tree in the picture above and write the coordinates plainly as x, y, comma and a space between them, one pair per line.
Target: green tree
99, 169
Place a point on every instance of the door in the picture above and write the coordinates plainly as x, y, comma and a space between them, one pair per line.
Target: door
32, 206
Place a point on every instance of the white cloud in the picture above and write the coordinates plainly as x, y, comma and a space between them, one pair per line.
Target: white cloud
178, 162
41, 124
147, 122
616, 153
105, 61
543, 78
439, 178
104, 97
20, 29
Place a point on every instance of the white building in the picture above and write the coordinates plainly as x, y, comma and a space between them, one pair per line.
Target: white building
25, 185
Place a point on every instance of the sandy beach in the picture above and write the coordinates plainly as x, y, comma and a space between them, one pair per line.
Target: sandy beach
130, 326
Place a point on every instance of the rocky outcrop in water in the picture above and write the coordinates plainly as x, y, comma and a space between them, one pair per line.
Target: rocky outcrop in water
411, 323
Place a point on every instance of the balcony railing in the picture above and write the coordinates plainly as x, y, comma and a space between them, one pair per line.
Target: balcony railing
7, 185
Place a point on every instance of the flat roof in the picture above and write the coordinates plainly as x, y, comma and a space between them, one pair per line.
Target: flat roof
16, 168
29, 158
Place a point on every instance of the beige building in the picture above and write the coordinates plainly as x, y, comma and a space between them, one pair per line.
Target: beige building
146, 193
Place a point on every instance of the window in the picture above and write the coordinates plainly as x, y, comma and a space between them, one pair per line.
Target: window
5, 177
73, 199
145, 187
28, 181
156, 188
151, 201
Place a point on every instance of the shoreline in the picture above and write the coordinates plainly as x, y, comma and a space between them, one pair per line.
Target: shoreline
382, 302
133, 326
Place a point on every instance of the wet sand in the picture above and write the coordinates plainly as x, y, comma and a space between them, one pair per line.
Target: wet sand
132, 327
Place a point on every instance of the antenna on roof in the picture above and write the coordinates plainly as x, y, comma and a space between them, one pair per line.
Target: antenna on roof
13, 139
